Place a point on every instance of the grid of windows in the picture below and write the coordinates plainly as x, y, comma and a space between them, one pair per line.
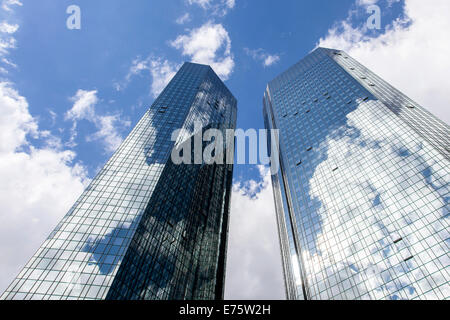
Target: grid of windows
178, 251
363, 190
95, 241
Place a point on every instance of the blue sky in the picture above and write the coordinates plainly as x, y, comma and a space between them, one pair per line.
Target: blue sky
68, 97
55, 62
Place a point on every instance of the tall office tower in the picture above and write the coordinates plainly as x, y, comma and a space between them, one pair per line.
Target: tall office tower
146, 228
362, 194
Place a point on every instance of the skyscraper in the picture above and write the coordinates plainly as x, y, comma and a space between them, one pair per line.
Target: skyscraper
362, 194
146, 228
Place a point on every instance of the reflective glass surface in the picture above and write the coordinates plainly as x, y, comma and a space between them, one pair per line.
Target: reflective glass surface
362, 195
145, 228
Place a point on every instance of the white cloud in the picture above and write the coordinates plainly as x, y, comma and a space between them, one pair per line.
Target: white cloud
6, 44
7, 4
8, 28
15, 121
161, 70
230, 3
84, 105
270, 60
210, 44
183, 19
411, 54
37, 185
7, 40
368, 207
216, 7
366, 2
108, 131
107, 125
9, 63
254, 268
261, 55
202, 3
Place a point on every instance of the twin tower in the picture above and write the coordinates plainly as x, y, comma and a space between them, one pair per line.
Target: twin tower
361, 195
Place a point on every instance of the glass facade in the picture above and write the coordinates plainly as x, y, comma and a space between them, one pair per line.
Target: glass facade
362, 194
146, 228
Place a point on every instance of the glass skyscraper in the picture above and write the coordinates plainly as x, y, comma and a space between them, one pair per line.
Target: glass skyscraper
146, 228
362, 193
